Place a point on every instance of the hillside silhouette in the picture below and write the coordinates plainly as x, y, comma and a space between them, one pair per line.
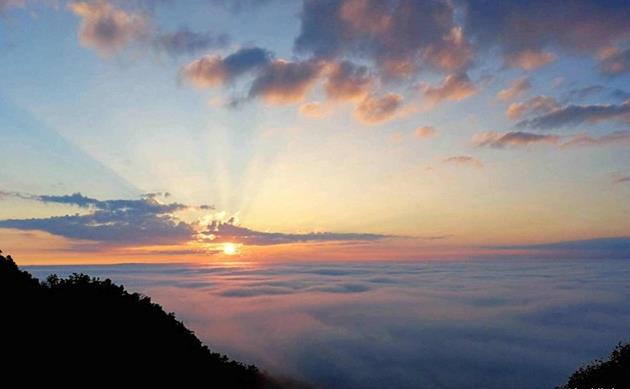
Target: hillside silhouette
611, 373
82, 328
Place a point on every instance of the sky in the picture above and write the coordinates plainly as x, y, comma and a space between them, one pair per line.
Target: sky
212, 130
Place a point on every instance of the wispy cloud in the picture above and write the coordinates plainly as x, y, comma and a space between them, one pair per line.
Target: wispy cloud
454, 87
229, 231
149, 221
573, 115
512, 139
521, 139
515, 89
464, 160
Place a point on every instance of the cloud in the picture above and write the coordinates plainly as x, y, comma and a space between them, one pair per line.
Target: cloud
594, 90
529, 59
396, 36
515, 89
617, 247
413, 324
213, 70
535, 105
284, 82
613, 61
573, 115
620, 180
143, 221
229, 231
426, 132
185, 41
615, 138
454, 87
314, 109
582, 93
463, 160
347, 81
108, 29
526, 31
148, 221
512, 139
521, 139
375, 110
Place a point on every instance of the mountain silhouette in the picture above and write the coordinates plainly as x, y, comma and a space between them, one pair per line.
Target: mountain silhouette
86, 330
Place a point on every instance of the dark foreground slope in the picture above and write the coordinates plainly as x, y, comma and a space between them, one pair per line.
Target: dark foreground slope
81, 328
608, 374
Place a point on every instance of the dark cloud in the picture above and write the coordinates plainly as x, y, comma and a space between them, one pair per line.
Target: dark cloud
615, 247
573, 115
578, 94
529, 29
521, 139
397, 36
185, 41
282, 82
512, 139
582, 93
212, 70
150, 221
143, 221
229, 231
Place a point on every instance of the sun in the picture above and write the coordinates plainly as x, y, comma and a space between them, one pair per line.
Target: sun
229, 249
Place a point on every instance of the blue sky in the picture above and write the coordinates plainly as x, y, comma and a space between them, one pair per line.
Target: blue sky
489, 124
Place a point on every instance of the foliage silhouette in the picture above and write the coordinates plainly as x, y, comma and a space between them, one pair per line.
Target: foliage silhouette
612, 373
88, 328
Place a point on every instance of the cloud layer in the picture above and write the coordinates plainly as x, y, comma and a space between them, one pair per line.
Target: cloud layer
149, 221
398, 325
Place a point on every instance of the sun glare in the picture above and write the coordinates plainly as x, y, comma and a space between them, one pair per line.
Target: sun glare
229, 249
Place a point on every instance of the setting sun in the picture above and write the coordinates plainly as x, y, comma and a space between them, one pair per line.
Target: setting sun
229, 249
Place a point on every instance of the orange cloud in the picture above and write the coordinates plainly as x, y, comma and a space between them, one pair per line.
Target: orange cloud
426, 132
347, 81
283, 82
213, 70
464, 160
529, 59
375, 110
314, 109
537, 105
107, 29
514, 90
454, 87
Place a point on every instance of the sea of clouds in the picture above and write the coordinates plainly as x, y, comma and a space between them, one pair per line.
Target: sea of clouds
432, 324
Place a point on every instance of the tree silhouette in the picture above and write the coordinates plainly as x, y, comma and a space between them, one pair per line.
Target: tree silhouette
612, 373
83, 329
